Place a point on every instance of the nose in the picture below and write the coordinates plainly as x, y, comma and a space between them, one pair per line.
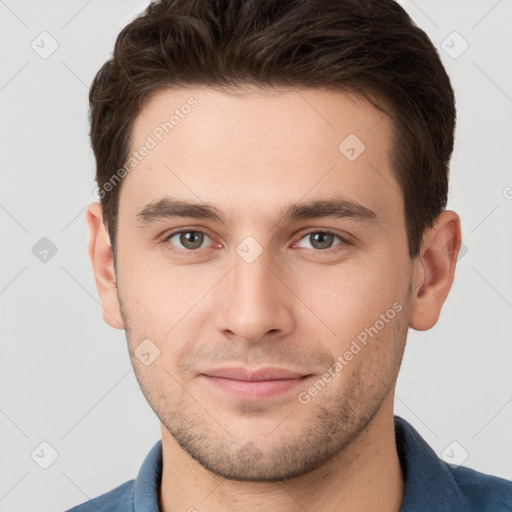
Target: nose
254, 302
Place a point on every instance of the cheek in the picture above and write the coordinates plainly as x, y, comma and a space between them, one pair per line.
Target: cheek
162, 293
165, 305
349, 297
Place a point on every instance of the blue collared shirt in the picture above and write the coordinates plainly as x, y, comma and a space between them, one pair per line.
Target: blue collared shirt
431, 485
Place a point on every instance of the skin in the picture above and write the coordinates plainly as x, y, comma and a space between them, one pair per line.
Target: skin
298, 305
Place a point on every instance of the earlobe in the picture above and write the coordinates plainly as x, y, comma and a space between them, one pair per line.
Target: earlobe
102, 260
434, 270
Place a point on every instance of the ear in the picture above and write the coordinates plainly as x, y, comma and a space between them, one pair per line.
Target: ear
102, 260
434, 269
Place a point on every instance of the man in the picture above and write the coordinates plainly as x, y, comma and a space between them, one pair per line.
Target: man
273, 179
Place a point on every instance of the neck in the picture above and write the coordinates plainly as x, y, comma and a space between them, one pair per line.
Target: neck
366, 476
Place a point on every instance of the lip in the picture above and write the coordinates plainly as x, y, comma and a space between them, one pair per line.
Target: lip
254, 384
267, 373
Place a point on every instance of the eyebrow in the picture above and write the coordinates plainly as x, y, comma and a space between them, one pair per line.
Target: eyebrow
337, 208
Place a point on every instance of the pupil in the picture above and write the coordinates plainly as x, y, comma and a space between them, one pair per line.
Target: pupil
191, 239
322, 240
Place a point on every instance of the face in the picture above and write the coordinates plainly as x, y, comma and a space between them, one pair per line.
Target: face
273, 314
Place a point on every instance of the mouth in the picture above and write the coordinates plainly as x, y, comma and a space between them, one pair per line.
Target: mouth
254, 384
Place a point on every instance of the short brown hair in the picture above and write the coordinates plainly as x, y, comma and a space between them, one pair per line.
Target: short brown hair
370, 47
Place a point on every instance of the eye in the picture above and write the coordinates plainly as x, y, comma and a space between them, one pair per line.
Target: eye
190, 240
322, 240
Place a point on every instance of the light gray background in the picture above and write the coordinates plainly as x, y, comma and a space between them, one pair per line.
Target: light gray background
66, 378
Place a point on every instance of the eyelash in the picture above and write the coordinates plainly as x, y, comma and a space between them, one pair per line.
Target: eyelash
189, 252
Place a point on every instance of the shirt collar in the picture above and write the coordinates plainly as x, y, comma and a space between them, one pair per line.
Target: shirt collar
428, 480
429, 483
147, 485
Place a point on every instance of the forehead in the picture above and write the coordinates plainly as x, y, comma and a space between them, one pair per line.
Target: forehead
287, 114
233, 147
